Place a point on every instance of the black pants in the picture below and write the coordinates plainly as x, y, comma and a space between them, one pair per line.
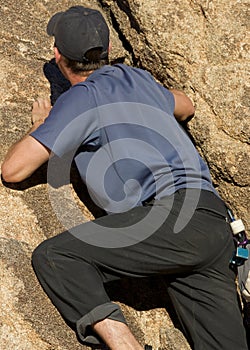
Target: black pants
196, 258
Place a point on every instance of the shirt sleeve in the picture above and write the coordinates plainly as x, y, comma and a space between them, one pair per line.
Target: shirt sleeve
70, 122
170, 102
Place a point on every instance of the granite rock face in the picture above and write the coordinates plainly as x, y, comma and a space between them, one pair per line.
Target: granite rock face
201, 47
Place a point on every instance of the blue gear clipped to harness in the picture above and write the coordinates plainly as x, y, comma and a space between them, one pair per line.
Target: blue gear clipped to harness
241, 253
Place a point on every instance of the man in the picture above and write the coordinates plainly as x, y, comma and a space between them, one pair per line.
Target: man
164, 216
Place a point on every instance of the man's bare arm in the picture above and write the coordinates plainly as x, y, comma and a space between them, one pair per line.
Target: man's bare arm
184, 107
27, 155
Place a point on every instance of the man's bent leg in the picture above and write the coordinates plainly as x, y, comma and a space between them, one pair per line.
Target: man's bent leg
73, 274
75, 286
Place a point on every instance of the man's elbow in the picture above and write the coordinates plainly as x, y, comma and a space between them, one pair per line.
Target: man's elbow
184, 109
187, 114
10, 175
190, 110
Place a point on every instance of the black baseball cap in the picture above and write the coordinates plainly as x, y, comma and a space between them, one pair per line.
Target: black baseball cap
78, 30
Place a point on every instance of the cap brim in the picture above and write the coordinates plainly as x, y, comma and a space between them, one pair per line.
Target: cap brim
52, 23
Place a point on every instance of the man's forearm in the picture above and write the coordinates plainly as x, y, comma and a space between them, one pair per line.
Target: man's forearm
16, 145
28, 154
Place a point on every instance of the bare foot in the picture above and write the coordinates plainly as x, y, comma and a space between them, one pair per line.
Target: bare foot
40, 110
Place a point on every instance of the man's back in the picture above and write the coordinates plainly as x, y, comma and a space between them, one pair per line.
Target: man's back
130, 148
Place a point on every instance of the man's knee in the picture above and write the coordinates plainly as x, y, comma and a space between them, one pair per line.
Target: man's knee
40, 255
53, 249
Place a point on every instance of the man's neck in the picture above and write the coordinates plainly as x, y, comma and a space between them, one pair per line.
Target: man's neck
77, 78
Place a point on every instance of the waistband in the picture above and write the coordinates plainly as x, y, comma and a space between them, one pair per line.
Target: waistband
197, 199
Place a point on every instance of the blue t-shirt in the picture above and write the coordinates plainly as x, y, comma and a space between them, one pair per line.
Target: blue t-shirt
120, 129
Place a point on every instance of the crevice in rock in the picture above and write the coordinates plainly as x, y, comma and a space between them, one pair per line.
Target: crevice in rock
124, 6
232, 136
116, 26
126, 44
203, 11
172, 82
227, 178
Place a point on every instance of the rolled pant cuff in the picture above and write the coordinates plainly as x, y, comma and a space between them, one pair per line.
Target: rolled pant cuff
84, 331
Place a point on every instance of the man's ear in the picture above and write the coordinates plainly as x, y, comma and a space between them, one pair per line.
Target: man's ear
57, 55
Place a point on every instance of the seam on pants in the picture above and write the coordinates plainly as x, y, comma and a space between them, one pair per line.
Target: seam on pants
54, 268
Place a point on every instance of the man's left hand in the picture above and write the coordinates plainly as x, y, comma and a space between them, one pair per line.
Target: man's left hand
40, 110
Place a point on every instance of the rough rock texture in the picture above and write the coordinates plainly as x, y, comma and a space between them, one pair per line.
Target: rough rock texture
199, 46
